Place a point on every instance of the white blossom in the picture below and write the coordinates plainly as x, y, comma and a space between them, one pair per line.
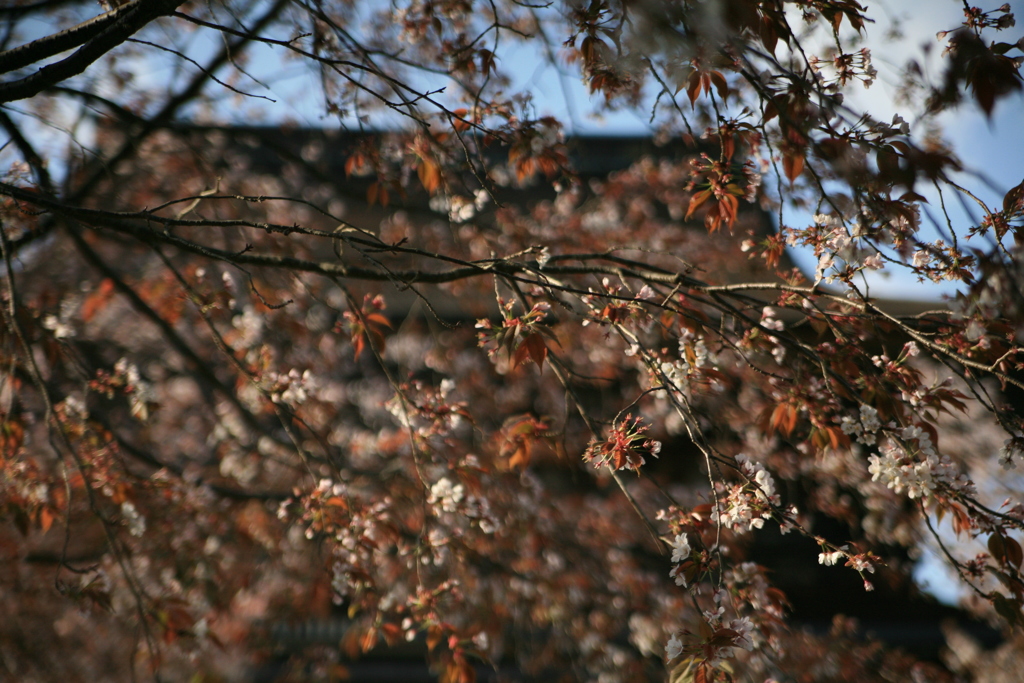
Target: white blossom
677, 574
680, 548
869, 418
829, 559
446, 494
75, 407
975, 330
885, 467
293, 388
861, 563
136, 523
674, 648
850, 426
826, 221
142, 393
919, 478
874, 262
677, 375
767, 484
744, 627
645, 293
62, 329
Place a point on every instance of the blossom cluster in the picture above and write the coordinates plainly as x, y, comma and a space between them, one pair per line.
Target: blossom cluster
459, 208
920, 476
846, 67
135, 522
865, 429
446, 495
748, 504
292, 388
430, 412
140, 391
693, 356
457, 508
63, 324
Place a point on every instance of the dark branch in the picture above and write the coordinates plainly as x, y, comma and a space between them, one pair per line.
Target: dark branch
127, 21
54, 44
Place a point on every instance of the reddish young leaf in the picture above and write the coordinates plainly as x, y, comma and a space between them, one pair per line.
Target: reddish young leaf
392, 633
720, 83
434, 636
693, 87
369, 640
378, 319
354, 163
793, 165
537, 349
429, 175
46, 518
696, 201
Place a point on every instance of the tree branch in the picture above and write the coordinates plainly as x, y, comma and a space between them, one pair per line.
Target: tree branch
111, 34
54, 44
